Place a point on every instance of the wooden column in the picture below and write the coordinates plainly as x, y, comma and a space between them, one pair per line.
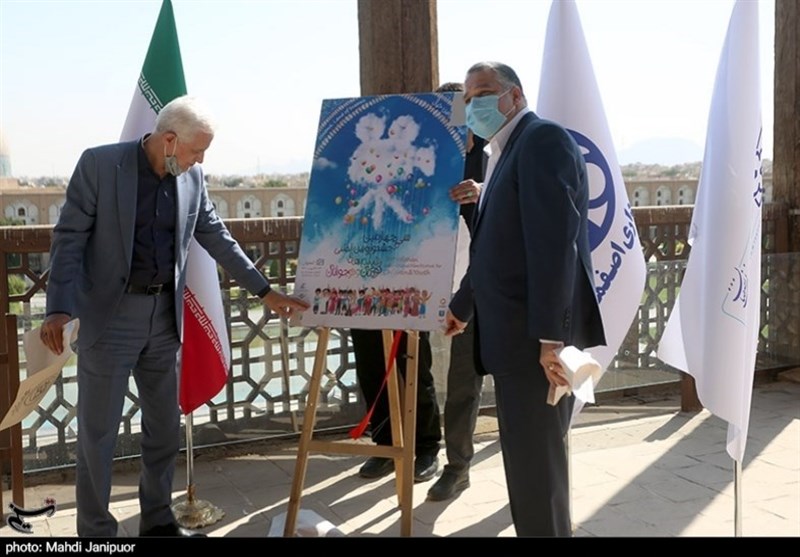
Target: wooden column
10, 438
786, 163
398, 49
786, 178
398, 46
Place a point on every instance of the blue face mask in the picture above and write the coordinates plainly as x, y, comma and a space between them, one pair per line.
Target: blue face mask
483, 116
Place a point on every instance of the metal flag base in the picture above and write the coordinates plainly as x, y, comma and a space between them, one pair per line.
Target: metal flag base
194, 513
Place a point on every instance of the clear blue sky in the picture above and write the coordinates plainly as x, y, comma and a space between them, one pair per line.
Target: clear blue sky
68, 69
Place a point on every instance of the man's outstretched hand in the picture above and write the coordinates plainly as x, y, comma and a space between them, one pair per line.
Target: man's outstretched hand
283, 305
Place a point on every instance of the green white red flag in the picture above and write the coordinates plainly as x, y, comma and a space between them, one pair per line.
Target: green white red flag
205, 353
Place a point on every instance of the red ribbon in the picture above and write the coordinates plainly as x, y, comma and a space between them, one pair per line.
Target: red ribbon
358, 431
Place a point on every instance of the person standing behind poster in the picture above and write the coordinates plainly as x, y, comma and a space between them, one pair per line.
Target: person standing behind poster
368, 349
464, 384
529, 287
370, 369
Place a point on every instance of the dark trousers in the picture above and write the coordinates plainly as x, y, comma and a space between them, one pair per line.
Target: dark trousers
532, 438
462, 403
141, 339
370, 370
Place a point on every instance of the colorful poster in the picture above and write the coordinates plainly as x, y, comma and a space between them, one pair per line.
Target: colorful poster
379, 234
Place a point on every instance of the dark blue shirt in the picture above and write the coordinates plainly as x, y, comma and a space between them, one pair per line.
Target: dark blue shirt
154, 235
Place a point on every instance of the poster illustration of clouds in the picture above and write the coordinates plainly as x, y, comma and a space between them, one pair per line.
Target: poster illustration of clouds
379, 235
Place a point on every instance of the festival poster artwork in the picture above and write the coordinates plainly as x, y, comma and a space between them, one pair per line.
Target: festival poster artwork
379, 235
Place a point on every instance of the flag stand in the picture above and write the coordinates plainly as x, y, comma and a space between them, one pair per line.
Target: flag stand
403, 419
193, 513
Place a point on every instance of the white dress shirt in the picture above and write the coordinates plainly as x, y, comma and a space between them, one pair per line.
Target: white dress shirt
494, 149
462, 253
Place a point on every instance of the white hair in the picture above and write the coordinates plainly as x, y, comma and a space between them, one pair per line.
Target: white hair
185, 116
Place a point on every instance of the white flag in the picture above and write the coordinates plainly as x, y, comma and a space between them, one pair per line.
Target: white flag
713, 330
205, 353
568, 95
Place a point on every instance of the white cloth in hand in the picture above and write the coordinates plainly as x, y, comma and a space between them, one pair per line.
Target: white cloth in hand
579, 367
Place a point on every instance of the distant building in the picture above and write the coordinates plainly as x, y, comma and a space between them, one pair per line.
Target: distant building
30, 204
33, 204
247, 203
662, 192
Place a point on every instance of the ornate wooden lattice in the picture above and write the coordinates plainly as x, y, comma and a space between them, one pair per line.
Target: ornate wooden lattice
272, 360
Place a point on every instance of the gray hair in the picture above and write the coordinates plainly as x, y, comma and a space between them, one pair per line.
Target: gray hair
505, 75
185, 116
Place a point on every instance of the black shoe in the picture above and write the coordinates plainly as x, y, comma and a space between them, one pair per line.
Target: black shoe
448, 485
170, 531
376, 467
425, 467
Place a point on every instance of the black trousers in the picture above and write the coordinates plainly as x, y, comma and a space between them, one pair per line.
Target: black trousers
463, 400
370, 370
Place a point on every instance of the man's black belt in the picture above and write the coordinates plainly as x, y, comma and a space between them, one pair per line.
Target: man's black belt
151, 289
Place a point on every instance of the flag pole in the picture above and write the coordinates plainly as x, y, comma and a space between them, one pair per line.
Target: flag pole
737, 488
568, 443
193, 513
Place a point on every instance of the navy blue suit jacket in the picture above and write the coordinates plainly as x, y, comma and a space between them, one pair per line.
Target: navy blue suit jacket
530, 271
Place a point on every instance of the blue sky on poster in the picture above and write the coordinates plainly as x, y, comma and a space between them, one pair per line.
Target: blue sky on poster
68, 70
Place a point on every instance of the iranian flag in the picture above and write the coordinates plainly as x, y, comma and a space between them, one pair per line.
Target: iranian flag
205, 353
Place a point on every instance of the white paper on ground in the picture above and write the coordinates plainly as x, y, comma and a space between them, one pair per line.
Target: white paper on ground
307, 525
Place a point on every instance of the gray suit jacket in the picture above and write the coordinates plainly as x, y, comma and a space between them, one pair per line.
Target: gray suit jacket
530, 272
92, 248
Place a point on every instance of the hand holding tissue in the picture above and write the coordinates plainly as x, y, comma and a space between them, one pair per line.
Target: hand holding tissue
579, 366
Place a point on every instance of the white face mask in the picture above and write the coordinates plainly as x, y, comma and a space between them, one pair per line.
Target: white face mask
171, 161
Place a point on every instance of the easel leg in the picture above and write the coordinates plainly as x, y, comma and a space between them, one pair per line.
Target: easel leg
395, 414
309, 419
402, 418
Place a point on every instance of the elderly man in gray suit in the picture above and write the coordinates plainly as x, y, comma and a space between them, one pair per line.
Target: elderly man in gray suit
530, 288
118, 263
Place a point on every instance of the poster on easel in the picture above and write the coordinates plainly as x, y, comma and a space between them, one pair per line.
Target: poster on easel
378, 245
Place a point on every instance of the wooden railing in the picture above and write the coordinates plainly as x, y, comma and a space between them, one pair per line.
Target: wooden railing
262, 399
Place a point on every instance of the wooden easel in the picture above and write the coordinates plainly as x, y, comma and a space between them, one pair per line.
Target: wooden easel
403, 419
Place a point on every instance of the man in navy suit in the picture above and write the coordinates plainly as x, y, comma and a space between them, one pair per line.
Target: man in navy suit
529, 289
118, 263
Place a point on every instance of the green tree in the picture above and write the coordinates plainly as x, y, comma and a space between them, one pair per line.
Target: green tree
274, 183
16, 285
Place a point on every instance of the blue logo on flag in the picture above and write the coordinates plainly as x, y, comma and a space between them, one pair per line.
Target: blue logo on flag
607, 194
